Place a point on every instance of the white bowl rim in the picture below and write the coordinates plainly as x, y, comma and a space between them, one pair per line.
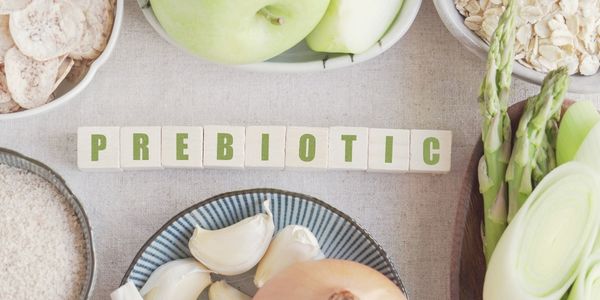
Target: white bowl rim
86, 80
400, 26
448, 13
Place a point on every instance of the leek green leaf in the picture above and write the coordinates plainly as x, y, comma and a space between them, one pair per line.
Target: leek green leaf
576, 123
590, 149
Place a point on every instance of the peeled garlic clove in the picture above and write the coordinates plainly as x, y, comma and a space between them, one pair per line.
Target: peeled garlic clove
292, 244
182, 279
220, 290
235, 249
126, 292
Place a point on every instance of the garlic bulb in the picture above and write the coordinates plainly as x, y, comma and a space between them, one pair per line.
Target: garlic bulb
292, 244
329, 279
126, 292
182, 279
220, 290
235, 249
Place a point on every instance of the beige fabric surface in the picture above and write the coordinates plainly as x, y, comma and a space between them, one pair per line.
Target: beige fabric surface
427, 81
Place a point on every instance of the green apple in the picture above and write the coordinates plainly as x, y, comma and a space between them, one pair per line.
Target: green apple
238, 31
353, 26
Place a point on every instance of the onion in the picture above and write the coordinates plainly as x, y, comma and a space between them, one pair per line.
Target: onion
329, 279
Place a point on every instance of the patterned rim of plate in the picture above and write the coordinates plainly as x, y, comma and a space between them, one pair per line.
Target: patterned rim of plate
392, 273
20, 161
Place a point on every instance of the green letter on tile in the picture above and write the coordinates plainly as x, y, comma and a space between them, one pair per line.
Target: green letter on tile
429, 157
389, 149
224, 146
307, 147
349, 139
182, 146
140, 146
98, 144
264, 153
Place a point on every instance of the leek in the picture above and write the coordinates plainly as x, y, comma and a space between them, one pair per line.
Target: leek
541, 114
587, 285
496, 131
574, 127
544, 247
590, 149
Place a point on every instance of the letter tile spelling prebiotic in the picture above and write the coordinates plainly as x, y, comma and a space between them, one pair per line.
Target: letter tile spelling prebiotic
224, 147
306, 148
389, 150
98, 149
141, 148
431, 151
182, 146
348, 148
265, 147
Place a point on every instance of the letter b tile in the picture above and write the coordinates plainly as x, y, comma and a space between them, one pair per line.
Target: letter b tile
224, 147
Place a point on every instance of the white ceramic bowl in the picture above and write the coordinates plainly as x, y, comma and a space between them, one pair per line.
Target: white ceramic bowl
301, 59
454, 21
69, 89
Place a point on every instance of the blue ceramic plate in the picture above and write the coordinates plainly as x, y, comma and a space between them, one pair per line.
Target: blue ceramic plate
339, 236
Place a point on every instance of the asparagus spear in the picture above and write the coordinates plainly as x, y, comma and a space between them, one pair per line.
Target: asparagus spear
496, 130
546, 159
533, 154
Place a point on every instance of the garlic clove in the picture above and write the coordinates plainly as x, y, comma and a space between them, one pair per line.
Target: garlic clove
182, 279
237, 248
220, 290
292, 244
126, 292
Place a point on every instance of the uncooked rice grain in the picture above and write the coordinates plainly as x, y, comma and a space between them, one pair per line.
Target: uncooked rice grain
42, 249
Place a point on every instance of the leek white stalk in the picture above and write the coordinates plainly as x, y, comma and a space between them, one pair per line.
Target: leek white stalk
587, 285
292, 244
182, 279
543, 248
220, 290
235, 249
126, 292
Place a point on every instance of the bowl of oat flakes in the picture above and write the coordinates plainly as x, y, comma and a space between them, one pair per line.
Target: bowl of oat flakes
550, 34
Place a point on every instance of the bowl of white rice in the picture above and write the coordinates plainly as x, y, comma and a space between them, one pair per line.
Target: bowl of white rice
46, 247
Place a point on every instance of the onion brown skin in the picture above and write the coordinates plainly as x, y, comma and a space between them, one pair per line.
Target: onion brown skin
329, 279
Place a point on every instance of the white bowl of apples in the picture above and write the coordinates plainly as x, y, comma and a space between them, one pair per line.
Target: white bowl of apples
282, 35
